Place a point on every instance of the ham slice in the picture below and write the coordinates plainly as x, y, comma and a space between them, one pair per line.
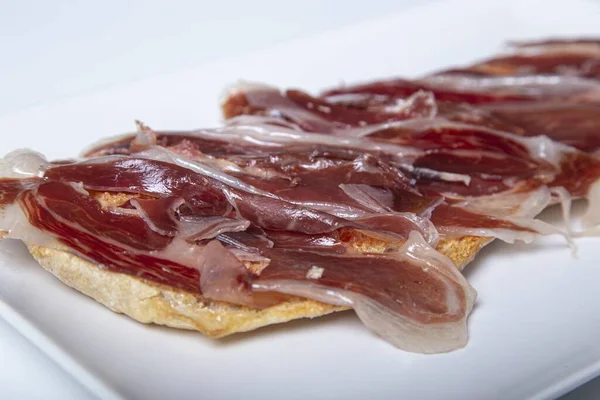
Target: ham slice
557, 57
405, 311
413, 297
461, 139
334, 170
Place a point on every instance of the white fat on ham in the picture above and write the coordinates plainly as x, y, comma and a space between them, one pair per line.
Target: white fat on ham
401, 331
171, 214
221, 275
223, 164
191, 228
378, 199
563, 197
419, 224
591, 217
339, 210
520, 208
14, 224
355, 98
315, 272
262, 133
375, 199
249, 256
591, 49
513, 203
201, 228
14, 221
249, 119
144, 139
162, 154
547, 86
539, 147
537, 226
258, 130
428, 173
422, 98
23, 163
544, 148
506, 235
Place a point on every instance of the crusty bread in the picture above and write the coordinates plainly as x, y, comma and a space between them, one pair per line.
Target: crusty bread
149, 302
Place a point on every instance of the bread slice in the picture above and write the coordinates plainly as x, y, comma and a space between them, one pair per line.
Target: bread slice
149, 302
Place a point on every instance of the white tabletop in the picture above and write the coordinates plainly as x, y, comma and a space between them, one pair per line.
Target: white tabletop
63, 48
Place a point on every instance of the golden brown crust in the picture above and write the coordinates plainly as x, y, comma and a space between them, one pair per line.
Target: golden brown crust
462, 250
111, 200
236, 104
149, 302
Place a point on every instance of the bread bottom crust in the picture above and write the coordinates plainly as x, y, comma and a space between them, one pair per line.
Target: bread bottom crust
148, 302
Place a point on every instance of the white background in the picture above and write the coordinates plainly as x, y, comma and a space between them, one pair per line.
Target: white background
52, 50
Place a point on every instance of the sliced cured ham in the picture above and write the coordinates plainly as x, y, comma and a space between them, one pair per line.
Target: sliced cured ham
574, 124
516, 94
455, 138
207, 196
557, 57
320, 188
144, 238
406, 311
489, 156
484, 130
477, 89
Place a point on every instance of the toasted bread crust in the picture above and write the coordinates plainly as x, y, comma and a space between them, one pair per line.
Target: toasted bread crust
148, 302
463, 250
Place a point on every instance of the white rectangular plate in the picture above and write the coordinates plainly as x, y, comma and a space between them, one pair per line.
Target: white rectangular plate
533, 332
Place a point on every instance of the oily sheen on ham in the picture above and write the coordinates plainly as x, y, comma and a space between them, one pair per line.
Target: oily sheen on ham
458, 139
559, 99
143, 238
270, 153
207, 196
555, 57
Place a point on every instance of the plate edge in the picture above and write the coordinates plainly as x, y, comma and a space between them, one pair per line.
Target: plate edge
57, 354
